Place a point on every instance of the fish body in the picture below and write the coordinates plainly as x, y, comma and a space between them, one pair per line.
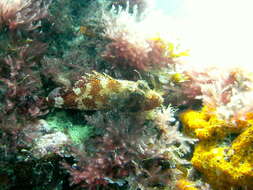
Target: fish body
98, 91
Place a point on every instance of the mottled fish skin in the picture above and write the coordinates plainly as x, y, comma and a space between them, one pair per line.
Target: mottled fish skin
99, 92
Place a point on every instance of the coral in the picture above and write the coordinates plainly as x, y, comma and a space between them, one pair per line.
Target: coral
226, 114
99, 91
217, 155
232, 165
206, 124
116, 127
23, 13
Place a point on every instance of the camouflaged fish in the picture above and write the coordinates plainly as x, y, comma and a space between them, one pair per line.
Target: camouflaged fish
97, 91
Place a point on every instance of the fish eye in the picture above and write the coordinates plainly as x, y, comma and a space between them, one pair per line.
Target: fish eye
143, 85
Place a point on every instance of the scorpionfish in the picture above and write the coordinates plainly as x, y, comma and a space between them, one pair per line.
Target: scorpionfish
96, 91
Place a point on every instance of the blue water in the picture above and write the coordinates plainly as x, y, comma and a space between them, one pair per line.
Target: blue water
170, 7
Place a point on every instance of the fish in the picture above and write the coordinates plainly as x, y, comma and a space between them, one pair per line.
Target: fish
96, 91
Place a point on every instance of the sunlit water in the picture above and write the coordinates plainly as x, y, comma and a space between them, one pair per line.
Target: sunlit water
217, 32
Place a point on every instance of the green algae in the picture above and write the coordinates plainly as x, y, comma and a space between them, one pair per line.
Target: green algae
76, 129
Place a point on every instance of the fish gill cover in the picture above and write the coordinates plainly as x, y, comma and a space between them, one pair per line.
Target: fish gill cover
126, 95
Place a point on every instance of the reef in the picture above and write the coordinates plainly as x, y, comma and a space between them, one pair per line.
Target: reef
93, 96
225, 148
218, 155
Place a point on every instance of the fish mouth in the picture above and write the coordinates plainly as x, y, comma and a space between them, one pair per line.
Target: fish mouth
56, 93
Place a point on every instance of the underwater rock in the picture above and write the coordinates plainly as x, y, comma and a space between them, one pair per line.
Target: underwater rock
42, 141
99, 92
49, 144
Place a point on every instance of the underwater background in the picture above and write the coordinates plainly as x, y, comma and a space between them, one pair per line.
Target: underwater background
126, 95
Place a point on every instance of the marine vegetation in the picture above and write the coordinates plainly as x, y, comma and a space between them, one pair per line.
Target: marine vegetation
93, 96
224, 128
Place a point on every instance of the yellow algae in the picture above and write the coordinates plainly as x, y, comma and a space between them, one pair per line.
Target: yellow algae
170, 49
86, 31
184, 184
